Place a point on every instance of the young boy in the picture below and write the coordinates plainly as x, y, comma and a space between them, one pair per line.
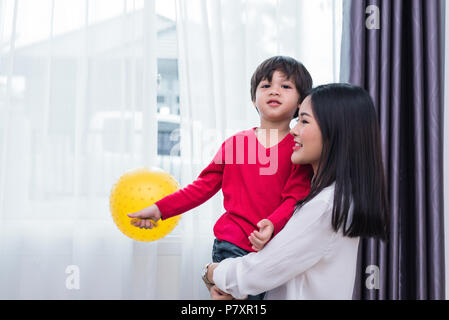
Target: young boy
253, 168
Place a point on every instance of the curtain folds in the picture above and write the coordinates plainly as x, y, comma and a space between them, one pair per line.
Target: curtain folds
445, 18
221, 43
69, 127
399, 61
79, 102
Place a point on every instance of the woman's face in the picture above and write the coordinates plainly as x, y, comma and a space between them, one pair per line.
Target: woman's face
307, 135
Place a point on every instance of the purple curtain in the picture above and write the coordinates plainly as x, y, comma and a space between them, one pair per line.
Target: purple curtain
398, 59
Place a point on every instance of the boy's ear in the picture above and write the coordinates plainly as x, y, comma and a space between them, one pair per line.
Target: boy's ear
255, 106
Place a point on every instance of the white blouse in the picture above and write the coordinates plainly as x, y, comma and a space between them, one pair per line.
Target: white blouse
305, 260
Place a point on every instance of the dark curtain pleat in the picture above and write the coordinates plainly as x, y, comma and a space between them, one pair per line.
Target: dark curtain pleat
400, 65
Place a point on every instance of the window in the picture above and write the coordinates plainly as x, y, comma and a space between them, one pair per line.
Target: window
77, 83
168, 84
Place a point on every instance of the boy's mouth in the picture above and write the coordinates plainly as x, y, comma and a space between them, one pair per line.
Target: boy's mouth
273, 103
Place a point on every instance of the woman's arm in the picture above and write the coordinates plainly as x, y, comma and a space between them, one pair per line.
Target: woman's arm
305, 239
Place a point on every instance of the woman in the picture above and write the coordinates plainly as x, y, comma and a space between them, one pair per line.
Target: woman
315, 255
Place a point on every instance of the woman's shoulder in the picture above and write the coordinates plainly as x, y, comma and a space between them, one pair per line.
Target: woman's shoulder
319, 206
322, 202
326, 195
316, 211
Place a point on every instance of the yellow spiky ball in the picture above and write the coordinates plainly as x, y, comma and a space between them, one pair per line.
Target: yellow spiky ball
136, 190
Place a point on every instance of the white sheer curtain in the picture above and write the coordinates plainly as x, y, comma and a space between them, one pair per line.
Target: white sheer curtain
78, 79
221, 42
78, 96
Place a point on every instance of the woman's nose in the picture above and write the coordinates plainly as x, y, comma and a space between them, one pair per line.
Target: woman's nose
295, 130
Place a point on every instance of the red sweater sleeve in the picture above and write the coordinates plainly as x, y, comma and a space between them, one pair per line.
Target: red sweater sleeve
296, 188
202, 189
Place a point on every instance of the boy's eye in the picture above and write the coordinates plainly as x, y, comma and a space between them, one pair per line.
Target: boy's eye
265, 86
286, 86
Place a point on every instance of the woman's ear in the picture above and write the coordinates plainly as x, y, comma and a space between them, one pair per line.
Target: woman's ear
296, 112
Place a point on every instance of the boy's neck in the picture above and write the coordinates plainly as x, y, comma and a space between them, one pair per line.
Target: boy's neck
263, 132
283, 127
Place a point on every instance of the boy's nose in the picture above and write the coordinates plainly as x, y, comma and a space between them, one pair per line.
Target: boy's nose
274, 91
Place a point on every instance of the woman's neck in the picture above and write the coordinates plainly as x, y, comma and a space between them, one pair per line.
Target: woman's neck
315, 168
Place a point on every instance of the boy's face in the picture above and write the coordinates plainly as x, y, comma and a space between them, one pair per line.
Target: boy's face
277, 100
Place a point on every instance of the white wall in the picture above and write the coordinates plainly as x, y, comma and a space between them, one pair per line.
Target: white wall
446, 148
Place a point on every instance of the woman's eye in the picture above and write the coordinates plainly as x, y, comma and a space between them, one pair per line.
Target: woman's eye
304, 121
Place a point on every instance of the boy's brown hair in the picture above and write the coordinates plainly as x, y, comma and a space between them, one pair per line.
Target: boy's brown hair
291, 68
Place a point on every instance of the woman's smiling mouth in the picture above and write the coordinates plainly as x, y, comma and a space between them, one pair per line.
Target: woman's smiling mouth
297, 146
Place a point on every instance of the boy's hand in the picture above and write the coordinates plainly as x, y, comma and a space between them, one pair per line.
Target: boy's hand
259, 238
146, 218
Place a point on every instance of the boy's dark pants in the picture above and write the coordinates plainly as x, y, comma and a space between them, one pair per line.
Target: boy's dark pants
223, 250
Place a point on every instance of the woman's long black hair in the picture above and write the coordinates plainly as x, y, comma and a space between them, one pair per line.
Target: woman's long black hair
352, 158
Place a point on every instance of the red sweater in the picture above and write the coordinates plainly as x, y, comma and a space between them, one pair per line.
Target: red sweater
257, 183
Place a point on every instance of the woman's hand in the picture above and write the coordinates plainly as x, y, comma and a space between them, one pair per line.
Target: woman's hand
260, 238
210, 272
146, 218
217, 294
